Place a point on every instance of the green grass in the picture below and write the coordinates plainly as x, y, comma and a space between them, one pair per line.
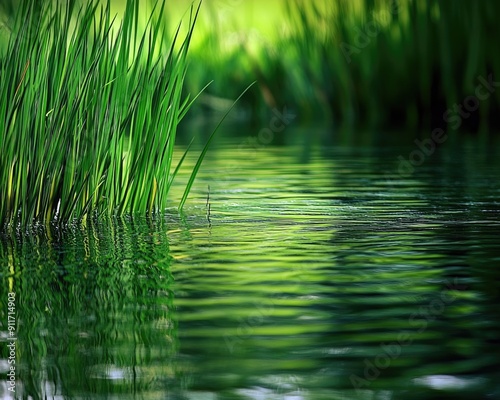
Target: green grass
421, 59
89, 111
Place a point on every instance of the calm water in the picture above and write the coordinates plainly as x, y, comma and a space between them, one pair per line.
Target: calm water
322, 274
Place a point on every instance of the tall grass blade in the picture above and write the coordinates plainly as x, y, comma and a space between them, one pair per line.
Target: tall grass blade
88, 111
205, 149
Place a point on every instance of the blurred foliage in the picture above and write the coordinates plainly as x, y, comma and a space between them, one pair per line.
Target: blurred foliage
357, 63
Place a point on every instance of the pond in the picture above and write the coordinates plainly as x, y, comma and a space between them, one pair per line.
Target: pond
298, 271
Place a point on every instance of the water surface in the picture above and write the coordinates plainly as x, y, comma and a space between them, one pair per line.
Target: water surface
320, 273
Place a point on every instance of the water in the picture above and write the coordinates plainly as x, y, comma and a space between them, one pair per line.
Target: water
320, 273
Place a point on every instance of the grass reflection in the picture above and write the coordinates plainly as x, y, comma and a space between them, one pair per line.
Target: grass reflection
94, 310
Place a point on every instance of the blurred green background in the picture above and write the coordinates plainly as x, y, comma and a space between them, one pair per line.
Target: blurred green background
352, 63
294, 266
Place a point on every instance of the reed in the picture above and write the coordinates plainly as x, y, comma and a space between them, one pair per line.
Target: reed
89, 111
388, 63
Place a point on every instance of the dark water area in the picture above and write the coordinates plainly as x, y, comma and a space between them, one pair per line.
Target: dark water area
320, 272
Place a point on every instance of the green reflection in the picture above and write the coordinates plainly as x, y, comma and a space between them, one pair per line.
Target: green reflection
94, 310
314, 271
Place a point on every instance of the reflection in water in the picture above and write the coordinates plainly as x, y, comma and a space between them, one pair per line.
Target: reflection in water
94, 311
317, 279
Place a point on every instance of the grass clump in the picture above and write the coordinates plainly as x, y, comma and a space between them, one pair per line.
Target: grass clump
89, 111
